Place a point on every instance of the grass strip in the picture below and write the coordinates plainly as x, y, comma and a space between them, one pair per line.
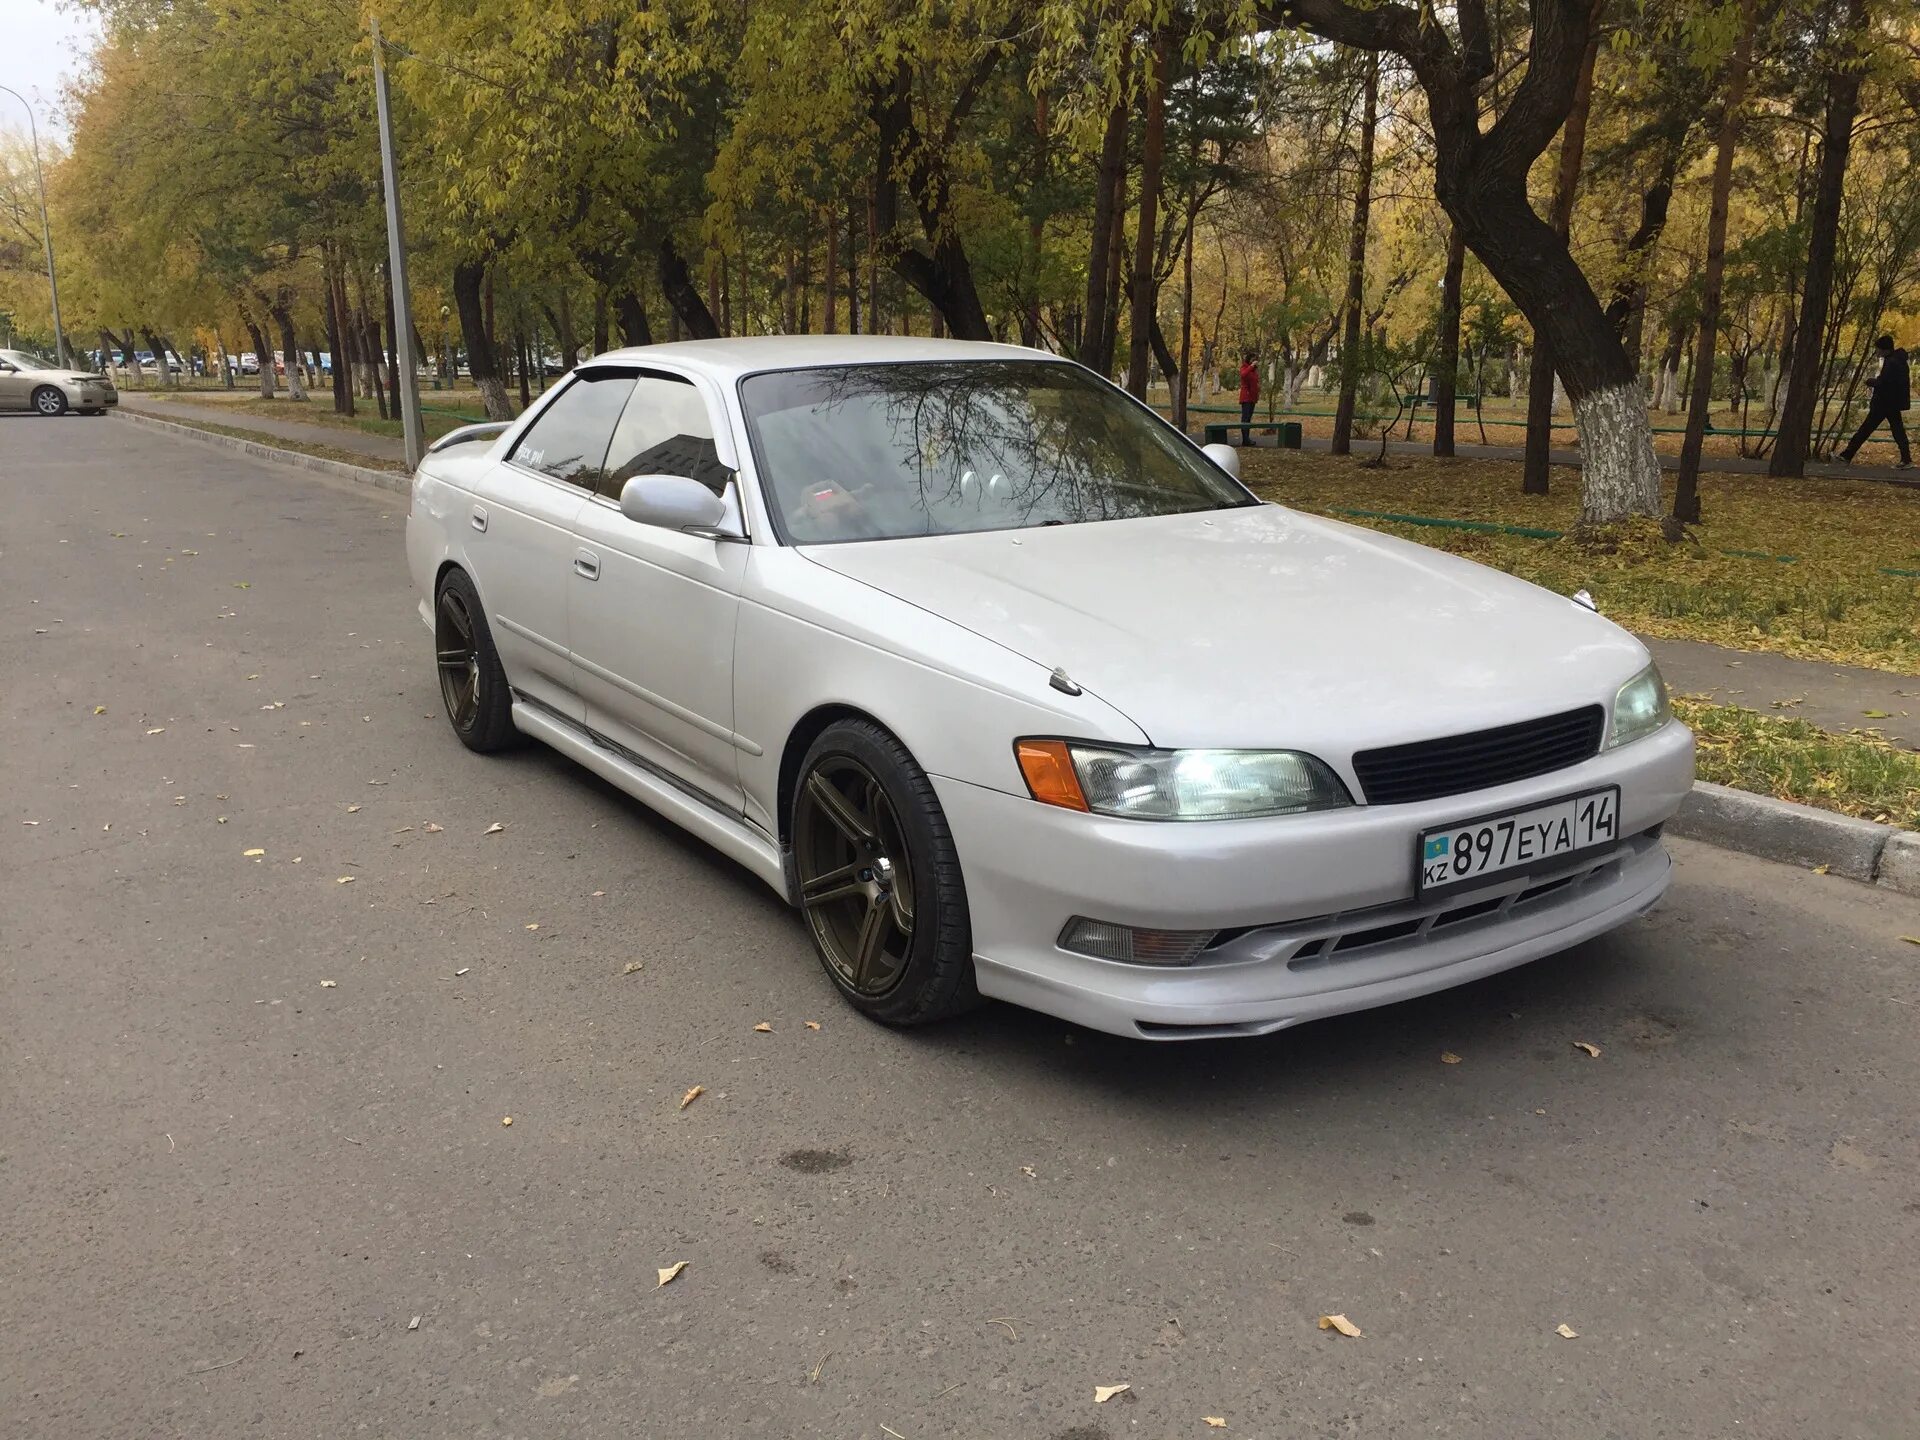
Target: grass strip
1858, 774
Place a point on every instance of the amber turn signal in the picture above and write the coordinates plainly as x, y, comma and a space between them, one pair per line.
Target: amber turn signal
1048, 770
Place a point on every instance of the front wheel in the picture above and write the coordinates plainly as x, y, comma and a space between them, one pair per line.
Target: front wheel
879, 878
473, 684
50, 400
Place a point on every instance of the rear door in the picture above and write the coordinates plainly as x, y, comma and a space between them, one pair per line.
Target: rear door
653, 611
520, 534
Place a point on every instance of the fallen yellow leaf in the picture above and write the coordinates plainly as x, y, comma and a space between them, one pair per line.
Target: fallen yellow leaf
1447, 1057
533, 927
99, 709
158, 730
1911, 939
1104, 1393
506, 1119
1821, 869
432, 829
633, 968
692, 1095
1588, 1046
1342, 1324
811, 1024
353, 809
764, 1028
493, 829
1566, 1332
251, 853
344, 880
1218, 1422
671, 1273
327, 985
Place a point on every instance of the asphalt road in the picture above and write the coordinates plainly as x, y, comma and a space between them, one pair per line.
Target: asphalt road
228, 1187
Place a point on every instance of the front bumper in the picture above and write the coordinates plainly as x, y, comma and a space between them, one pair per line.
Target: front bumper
1324, 904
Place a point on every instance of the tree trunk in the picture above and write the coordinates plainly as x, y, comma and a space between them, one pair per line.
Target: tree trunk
1357, 266
1536, 468
634, 329
337, 343
283, 317
1686, 499
943, 272
1184, 384
1795, 427
522, 361
681, 296
853, 273
1446, 364
1145, 287
1109, 181
602, 332
264, 353
481, 362
1627, 307
831, 269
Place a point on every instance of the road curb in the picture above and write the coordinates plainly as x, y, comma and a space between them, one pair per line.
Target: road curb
1801, 835
339, 469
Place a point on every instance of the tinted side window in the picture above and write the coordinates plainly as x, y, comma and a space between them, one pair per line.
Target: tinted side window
664, 430
569, 440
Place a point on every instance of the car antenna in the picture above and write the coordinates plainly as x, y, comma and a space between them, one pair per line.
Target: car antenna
1062, 682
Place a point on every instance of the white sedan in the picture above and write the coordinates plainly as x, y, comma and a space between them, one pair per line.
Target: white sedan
1014, 692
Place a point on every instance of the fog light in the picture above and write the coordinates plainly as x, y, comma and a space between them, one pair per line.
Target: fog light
1105, 940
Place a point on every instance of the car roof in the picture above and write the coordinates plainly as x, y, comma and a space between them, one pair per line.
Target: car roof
726, 360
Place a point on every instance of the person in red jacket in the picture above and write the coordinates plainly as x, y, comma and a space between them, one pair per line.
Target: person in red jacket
1249, 393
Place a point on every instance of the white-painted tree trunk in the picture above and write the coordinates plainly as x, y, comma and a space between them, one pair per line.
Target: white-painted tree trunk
1559, 403
1316, 377
1620, 474
1670, 389
1294, 382
296, 382
135, 369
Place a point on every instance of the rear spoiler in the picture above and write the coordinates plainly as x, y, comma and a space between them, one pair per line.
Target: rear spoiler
467, 434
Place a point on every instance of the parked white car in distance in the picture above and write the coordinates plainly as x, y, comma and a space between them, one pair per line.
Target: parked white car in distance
1015, 693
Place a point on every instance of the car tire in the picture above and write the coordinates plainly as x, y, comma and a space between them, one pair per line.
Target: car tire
49, 400
473, 684
876, 818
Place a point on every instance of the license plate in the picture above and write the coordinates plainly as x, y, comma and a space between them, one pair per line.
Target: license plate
1492, 845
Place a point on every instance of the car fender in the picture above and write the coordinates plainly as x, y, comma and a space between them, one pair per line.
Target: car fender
809, 638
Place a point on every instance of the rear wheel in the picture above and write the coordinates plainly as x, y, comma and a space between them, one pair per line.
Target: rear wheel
472, 683
879, 878
50, 400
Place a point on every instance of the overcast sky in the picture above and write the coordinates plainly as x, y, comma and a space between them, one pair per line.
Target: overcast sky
41, 42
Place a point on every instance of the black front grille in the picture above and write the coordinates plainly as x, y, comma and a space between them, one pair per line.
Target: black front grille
1428, 769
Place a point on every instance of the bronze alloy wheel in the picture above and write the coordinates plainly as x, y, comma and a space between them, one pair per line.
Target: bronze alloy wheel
459, 657
856, 874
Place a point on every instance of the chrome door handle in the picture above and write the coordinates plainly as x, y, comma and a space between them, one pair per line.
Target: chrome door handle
480, 517
586, 564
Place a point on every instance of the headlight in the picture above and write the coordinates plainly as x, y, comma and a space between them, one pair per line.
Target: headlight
1640, 708
1177, 784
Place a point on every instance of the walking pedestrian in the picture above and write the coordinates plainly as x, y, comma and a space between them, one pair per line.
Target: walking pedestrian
1892, 393
1250, 393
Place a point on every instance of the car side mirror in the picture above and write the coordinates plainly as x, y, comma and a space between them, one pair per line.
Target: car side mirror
673, 502
1225, 456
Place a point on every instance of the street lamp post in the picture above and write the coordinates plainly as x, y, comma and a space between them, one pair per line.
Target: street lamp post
46, 231
409, 384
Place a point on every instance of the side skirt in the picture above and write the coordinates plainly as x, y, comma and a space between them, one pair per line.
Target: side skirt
731, 835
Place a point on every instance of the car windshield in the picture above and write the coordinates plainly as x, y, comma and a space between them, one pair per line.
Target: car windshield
880, 452
28, 360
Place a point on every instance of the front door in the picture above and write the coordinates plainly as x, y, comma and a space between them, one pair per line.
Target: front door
521, 535
652, 610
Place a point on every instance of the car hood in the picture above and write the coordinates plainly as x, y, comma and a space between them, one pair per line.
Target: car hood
1262, 626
